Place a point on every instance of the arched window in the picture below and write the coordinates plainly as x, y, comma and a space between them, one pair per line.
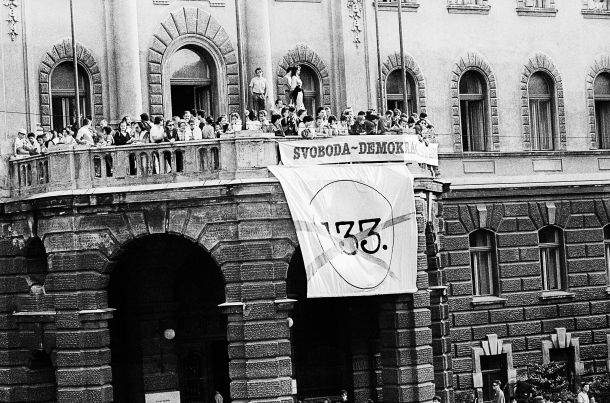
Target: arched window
62, 94
541, 92
394, 92
483, 262
601, 94
473, 112
552, 264
192, 75
607, 251
311, 89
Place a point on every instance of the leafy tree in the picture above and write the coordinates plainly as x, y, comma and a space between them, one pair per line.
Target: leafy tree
549, 379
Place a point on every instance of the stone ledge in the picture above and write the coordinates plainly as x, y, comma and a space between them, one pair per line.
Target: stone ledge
536, 12
468, 9
487, 300
595, 14
556, 295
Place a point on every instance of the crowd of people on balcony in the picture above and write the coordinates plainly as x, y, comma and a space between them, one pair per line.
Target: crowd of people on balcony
286, 118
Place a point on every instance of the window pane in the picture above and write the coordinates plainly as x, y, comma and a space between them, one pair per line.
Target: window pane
188, 64
473, 126
309, 78
602, 113
539, 85
548, 235
62, 78
472, 83
480, 239
602, 85
541, 124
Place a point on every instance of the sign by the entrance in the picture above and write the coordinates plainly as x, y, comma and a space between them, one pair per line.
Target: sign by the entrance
163, 397
356, 227
333, 150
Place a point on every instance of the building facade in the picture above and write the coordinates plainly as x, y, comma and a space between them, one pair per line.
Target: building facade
117, 286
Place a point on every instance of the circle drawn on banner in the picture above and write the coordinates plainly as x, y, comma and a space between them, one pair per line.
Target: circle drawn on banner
362, 242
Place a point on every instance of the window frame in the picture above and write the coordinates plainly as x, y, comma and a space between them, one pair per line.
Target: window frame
550, 103
597, 100
464, 101
557, 248
490, 249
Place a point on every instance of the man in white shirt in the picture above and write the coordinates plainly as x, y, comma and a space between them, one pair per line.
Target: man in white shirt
583, 396
195, 130
20, 142
258, 90
84, 136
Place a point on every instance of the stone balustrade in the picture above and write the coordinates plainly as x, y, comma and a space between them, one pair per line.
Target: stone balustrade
69, 169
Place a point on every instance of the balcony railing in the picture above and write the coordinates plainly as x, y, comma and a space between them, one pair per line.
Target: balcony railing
64, 170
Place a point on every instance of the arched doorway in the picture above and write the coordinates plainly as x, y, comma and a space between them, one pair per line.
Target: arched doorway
168, 333
63, 100
193, 81
311, 89
335, 342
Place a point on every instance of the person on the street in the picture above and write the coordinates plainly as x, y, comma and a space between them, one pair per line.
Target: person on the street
499, 395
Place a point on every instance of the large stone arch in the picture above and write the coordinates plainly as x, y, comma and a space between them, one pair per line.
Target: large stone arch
393, 63
474, 61
192, 26
303, 54
57, 54
601, 65
542, 62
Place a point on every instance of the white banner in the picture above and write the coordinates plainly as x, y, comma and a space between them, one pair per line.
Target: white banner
356, 227
341, 149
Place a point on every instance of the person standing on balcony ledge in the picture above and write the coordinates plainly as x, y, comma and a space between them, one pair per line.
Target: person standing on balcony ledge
84, 136
19, 149
258, 90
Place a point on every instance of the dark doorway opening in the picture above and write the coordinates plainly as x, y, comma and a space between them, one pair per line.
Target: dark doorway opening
335, 343
168, 334
193, 78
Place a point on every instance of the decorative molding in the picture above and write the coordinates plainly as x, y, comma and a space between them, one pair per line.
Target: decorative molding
595, 9
468, 6
59, 53
563, 339
601, 65
355, 13
191, 25
490, 347
303, 54
12, 18
530, 8
474, 61
392, 63
541, 62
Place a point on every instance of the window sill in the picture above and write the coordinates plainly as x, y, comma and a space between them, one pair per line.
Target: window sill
595, 14
466, 9
406, 7
487, 300
536, 12
556, 295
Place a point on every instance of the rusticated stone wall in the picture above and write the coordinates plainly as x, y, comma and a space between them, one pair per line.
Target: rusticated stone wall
56, 303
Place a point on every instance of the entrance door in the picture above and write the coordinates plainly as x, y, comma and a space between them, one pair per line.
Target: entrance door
192, 75
168, 334
188, 97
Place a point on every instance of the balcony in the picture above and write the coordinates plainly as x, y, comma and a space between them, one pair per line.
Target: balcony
88, 170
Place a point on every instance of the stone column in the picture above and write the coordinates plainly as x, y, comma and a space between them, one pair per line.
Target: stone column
258, 46
127, 58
